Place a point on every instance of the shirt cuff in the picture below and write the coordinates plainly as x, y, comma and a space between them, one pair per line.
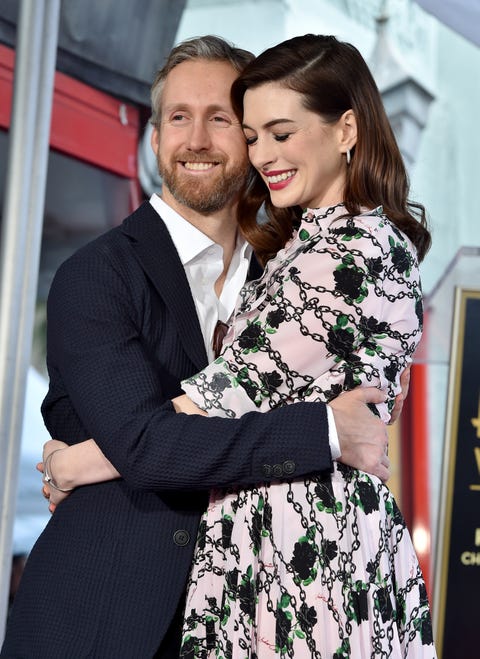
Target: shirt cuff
332, 435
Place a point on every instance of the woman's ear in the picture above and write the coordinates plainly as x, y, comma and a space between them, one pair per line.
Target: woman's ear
347, 125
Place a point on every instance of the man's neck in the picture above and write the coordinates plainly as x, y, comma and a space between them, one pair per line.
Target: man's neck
220, 226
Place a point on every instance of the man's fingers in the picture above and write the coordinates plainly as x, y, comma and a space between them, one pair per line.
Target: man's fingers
405, 381
383, 473
397, 409
371, 395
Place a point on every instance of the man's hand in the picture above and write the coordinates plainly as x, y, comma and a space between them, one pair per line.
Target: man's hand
399, 399
54, 496
363, 436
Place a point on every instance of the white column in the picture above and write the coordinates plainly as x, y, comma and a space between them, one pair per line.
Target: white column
22, 221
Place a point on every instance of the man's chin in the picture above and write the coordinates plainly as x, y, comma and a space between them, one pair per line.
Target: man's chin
202, 206
201, 194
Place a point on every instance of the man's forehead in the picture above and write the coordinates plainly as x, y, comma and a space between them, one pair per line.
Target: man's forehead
199, 82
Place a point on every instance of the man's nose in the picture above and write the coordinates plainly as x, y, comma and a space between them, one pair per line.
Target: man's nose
199, 137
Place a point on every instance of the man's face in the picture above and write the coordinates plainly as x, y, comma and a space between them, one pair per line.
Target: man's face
200, 146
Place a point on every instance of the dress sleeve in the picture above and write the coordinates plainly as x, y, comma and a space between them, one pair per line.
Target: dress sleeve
343, 309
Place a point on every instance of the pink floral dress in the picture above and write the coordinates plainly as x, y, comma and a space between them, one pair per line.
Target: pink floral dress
324, 566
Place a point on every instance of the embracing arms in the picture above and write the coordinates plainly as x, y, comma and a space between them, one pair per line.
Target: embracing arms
362, 438
102, 371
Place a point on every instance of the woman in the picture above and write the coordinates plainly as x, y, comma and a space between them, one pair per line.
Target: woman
322, 567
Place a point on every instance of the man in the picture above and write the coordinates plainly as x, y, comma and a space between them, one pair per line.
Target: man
107, 576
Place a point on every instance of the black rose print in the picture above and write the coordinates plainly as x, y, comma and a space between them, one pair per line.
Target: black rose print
303, 560
374, 266
340, 343
368, 496
307, 617
400, 259
348, 281
247, 597
271, 381
384, 604
250, 337
274, 318
282, 628
220, 382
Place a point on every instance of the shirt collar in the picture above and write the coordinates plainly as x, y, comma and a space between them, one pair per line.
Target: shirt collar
189, 241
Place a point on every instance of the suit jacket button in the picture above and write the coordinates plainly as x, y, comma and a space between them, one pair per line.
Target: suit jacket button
277, 470
181, 537
289, 467
267, 470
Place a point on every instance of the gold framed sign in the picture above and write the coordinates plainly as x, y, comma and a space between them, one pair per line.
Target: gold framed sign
456, 603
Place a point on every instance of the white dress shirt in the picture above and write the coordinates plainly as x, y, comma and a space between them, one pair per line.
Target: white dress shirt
202, 260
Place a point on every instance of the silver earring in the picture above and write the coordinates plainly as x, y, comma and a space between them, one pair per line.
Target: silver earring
349, 157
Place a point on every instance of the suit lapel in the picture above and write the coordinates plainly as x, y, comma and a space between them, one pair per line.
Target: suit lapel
156, 253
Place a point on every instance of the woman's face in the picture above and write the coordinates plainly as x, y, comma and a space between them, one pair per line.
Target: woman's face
299, 156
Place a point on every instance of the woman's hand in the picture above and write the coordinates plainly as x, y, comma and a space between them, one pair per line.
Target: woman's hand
66, 467
183, 404
54, 495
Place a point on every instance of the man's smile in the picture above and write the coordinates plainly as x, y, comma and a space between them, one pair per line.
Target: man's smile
199, 166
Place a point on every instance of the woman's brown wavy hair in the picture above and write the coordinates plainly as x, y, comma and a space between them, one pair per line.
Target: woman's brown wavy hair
332, 77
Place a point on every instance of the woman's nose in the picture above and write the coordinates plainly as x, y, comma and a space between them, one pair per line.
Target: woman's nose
261, 155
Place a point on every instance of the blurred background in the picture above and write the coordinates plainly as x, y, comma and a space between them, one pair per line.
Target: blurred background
425, 57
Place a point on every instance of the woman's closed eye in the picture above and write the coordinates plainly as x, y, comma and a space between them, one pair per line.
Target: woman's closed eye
280, 137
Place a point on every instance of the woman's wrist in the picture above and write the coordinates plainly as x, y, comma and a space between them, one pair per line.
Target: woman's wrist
53, 473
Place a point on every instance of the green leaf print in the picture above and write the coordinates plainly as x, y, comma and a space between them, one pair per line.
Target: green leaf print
342, 321
389, 508
284, 601
304, 235
347, 237
323, 508
311, 579
343, 652
311, 532
226, 613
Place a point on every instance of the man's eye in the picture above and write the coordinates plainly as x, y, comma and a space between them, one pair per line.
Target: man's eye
218, 119
177, 118
282, 138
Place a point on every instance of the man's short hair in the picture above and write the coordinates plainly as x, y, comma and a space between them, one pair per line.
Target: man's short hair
210, 48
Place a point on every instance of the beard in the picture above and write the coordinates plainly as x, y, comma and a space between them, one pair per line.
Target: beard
204, 196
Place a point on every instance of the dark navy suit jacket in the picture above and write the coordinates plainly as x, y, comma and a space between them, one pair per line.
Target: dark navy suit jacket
106, 576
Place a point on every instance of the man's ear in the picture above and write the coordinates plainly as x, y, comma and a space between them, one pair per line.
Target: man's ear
155, 139
347, 125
